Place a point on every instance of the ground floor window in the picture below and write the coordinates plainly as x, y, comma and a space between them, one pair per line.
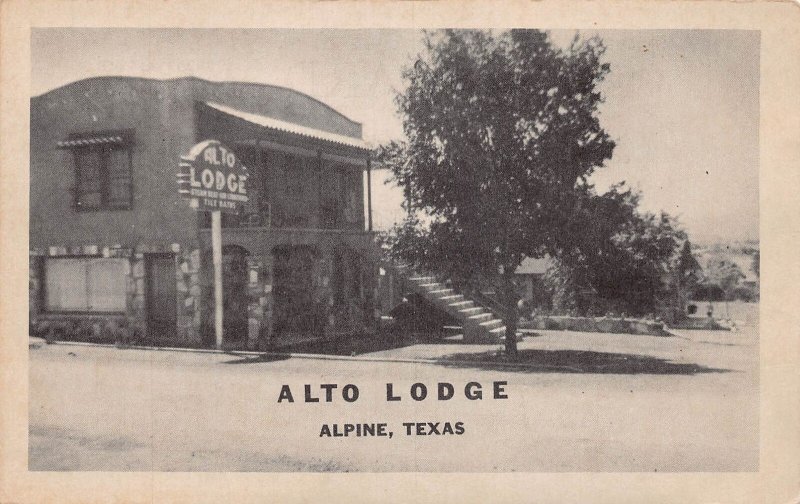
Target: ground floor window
85, 284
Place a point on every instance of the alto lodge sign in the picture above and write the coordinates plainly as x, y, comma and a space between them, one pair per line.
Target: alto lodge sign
211, 177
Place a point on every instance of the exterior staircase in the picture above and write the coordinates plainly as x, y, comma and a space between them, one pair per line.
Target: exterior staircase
479, 324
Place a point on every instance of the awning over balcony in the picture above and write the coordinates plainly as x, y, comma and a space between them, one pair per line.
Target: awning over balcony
287, 127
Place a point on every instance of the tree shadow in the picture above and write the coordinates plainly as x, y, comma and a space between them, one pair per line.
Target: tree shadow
354, 345
258, 359
574, 362
349, 346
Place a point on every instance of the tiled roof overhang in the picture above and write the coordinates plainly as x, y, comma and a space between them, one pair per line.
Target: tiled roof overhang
287, 127
99, 140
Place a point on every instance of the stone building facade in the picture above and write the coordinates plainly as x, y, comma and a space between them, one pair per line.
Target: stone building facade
116, 254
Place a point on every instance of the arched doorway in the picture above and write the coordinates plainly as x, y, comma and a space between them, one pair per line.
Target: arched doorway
294, 309
234, 295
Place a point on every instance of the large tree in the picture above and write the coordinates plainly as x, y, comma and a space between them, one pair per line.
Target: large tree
502, 130
615, 258
755, 266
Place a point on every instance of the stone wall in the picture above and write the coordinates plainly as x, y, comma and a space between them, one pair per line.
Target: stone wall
136, 296
100, 327
189, 294
131, 326
599, 324
259, 308
194, 299
351, 317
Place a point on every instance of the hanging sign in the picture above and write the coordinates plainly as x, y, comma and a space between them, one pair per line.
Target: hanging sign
211, 177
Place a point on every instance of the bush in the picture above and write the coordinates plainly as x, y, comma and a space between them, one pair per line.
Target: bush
746, 294
708, 292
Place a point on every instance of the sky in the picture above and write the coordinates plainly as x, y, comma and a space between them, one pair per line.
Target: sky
682, 105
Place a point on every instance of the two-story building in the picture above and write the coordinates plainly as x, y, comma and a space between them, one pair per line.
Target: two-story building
115, 249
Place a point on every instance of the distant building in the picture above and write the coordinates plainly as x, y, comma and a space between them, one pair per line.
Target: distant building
113, 245
530, 279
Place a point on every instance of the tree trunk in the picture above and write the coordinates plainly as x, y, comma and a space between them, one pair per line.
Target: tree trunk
511, 331
511, 315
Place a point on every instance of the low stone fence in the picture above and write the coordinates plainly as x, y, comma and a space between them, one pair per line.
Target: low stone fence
96, 329
705, 323
600, 324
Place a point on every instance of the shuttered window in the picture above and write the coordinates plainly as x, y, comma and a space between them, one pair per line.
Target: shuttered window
119, 178
85, 284
89, 175
103, 179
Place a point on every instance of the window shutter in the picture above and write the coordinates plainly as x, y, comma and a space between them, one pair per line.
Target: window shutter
119, 178
89, 170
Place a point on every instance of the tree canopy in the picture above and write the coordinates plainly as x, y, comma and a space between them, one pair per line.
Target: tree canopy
725, 273
615, 258
502, 131
755, 266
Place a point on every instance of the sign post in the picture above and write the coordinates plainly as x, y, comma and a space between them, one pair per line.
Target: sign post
213, 179
216, 252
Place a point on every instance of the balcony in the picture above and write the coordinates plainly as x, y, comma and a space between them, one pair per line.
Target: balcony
262, 240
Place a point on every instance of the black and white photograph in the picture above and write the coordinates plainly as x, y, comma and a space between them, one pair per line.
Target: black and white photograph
394, 250
399, 252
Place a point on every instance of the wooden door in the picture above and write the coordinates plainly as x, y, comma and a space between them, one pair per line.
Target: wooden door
161, 296
234, 296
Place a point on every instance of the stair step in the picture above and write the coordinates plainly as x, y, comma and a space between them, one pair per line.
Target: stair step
480, 316
450, 298
492, 324
492, 321
473, 311
461, 303
429, 285
441, 291
422, 279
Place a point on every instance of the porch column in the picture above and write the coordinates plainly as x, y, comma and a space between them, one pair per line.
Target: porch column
369, 195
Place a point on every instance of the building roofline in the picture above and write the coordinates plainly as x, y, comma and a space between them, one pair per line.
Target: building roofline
192, 77
272, 123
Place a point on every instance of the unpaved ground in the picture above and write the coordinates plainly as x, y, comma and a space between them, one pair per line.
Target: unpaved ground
590, 402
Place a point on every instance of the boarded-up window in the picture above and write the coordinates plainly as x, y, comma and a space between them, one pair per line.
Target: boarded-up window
85, 284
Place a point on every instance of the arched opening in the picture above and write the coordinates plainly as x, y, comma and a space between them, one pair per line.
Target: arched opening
234, 295
293, 293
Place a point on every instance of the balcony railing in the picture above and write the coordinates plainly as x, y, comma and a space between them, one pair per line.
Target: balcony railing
269, 220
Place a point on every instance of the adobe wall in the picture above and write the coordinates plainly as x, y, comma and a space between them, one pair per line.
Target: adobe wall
162, 130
